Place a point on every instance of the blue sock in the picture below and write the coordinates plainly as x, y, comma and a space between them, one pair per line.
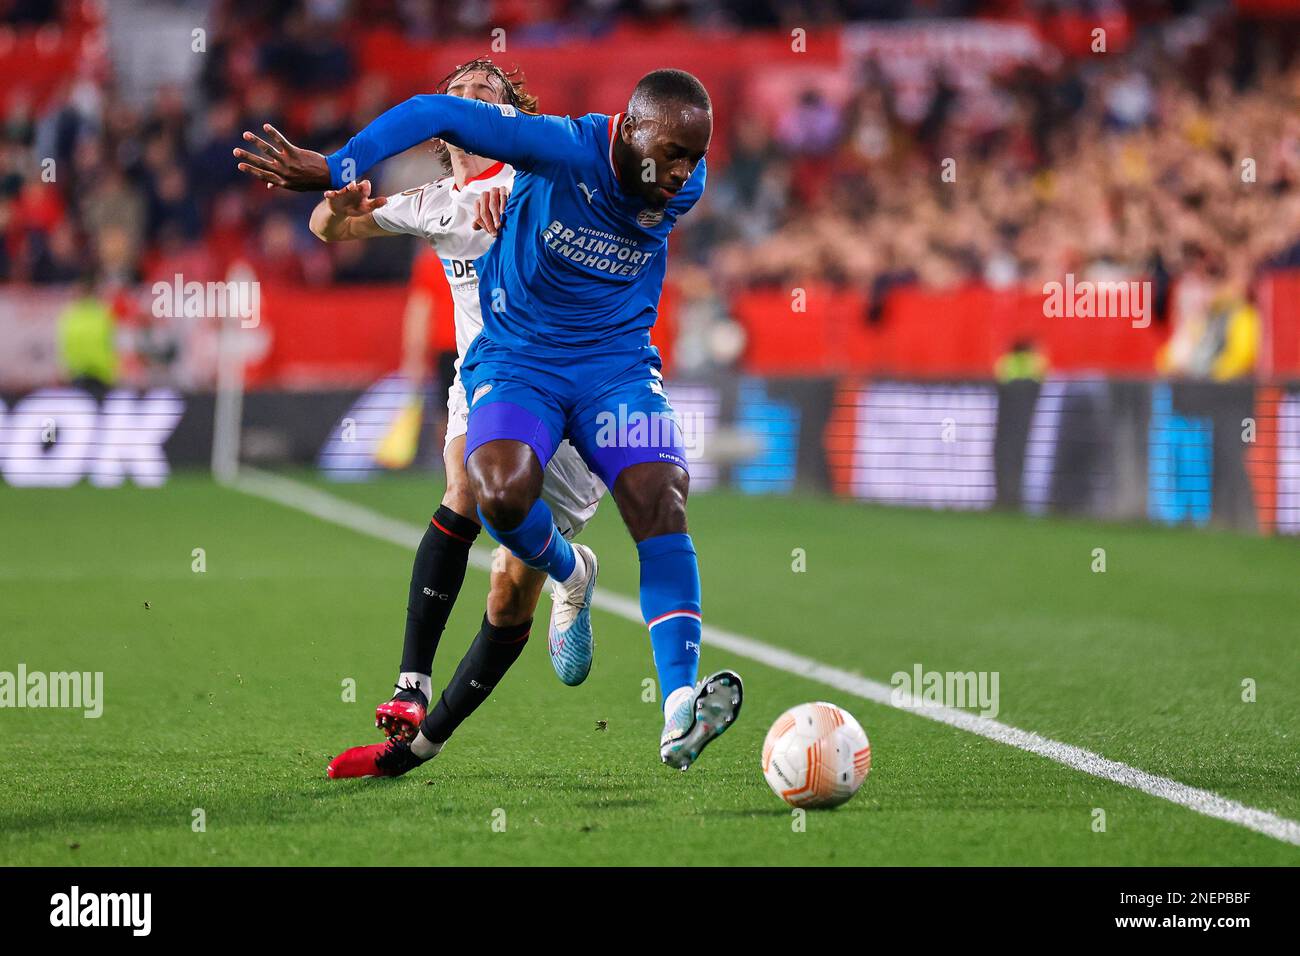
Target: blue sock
537, 542
670, 604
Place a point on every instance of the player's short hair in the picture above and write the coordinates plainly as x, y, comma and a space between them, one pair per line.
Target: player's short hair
660, 87
512, 83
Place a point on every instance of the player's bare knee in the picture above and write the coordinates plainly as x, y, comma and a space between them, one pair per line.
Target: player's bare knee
506, 605
656, 507
506, 479
459, 497
504, 506
669, 513
505, 500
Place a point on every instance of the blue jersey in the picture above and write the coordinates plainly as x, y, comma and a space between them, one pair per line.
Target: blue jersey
579, 264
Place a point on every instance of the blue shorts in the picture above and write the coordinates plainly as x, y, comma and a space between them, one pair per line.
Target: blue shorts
611, 407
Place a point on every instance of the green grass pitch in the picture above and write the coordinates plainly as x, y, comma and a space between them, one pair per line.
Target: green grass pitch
226, 692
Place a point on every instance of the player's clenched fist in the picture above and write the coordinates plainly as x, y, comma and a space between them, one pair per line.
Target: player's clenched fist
283, 164
490, 209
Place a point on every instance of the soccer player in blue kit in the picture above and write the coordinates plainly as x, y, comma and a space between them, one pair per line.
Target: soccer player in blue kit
569, 292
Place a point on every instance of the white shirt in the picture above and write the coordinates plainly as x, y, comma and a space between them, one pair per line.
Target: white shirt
442, 214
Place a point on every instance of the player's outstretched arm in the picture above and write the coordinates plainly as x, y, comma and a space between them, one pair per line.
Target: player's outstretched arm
280, 163
500, 132
348, 213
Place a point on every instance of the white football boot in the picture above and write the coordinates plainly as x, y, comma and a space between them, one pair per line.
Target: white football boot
699, 717
570, 640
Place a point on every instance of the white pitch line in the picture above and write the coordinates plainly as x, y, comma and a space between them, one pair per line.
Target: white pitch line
327, 507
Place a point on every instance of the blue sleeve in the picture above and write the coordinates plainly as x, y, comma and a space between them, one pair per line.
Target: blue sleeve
700, 177
498, 132
691, 192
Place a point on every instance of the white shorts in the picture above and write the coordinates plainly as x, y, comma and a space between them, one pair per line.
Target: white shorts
569, 488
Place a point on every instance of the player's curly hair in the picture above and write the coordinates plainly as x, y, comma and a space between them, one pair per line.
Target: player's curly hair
512, 83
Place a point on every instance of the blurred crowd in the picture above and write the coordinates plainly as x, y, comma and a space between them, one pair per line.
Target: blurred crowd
1156, 162
1133, 169
148, 190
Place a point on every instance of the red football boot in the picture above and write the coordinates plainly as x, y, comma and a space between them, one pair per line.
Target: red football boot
389, 759
401, 716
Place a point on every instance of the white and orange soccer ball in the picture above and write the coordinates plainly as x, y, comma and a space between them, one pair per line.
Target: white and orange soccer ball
816, 755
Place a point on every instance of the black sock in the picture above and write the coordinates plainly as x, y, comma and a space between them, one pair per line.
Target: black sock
436, 577
480, 670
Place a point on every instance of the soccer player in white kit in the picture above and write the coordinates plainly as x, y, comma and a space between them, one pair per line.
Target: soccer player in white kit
451, 214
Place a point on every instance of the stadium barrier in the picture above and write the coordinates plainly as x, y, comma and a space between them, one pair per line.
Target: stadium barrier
961, 333
349, 335
1196, 454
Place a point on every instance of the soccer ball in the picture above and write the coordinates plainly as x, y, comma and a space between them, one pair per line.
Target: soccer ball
816, 755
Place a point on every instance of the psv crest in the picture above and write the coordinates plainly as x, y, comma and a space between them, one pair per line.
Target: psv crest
649, 217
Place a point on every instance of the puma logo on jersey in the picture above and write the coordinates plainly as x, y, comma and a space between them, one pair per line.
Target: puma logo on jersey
587, 191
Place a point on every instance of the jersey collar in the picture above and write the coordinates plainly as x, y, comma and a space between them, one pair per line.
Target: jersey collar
486, 174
